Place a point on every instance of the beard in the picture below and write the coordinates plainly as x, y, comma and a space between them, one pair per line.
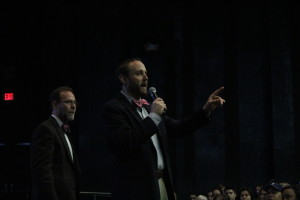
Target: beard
67, 117
138, 90
70, 116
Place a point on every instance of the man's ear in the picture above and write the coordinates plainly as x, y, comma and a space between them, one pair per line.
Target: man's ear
123, 79
54, 103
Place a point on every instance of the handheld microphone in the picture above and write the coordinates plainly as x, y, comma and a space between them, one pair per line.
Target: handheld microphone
152, 92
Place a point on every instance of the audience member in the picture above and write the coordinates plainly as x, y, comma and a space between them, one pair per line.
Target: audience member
230, 192
201, 197
291, 192
193, 197
245, 193
210, 195
273, 191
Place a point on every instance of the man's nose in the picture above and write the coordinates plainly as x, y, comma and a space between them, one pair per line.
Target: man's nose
145, 77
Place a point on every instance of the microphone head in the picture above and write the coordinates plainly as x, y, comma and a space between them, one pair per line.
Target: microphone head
152, 90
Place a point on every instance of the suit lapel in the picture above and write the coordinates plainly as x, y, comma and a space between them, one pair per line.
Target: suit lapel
160, 135
75, 160
61, 135
130, 107
66, 146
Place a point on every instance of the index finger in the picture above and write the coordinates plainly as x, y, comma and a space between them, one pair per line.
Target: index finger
158, 99
217, 91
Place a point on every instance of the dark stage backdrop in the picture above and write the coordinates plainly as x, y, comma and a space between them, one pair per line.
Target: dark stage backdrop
189, 50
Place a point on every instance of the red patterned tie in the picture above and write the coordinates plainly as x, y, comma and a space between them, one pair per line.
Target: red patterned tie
140, 102
66, 128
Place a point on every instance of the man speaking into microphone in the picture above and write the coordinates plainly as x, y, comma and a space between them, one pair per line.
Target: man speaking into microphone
138, 132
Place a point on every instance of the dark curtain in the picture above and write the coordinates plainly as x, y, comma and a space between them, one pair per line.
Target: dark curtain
251, 48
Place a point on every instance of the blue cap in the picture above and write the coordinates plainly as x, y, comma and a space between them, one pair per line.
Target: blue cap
273, 185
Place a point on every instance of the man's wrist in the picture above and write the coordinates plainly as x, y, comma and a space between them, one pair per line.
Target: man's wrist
155, 117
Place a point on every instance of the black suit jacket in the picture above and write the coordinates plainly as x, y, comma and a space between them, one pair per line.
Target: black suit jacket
129, 137
55, 175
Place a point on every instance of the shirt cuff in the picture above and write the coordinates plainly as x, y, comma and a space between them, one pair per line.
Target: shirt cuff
155, 117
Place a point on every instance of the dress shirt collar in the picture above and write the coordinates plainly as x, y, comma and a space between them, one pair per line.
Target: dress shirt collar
60, 123
129, 98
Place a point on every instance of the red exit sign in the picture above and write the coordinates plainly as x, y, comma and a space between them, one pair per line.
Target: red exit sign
9, 96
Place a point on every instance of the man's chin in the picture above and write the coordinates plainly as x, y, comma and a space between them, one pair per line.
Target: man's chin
139, 92
71, 117
144, 93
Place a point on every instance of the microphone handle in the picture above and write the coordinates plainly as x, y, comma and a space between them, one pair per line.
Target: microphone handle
154, 96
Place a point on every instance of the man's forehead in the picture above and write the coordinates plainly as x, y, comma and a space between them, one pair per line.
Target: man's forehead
66, 94
136, 66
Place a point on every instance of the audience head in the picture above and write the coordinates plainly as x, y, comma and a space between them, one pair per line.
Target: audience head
210, 195
193, 197
222, 187
201, 197
221, 197
273, 191
262, 194
257, 190
245, 193
291, 192
231, 193
216, 192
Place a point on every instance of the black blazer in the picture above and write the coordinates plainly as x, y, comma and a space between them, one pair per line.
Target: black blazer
55, 175
129, 137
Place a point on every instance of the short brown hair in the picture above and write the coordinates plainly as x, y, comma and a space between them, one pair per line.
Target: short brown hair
55, 94
123, 67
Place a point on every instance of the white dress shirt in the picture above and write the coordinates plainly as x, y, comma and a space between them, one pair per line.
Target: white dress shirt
156, 119
60, 123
